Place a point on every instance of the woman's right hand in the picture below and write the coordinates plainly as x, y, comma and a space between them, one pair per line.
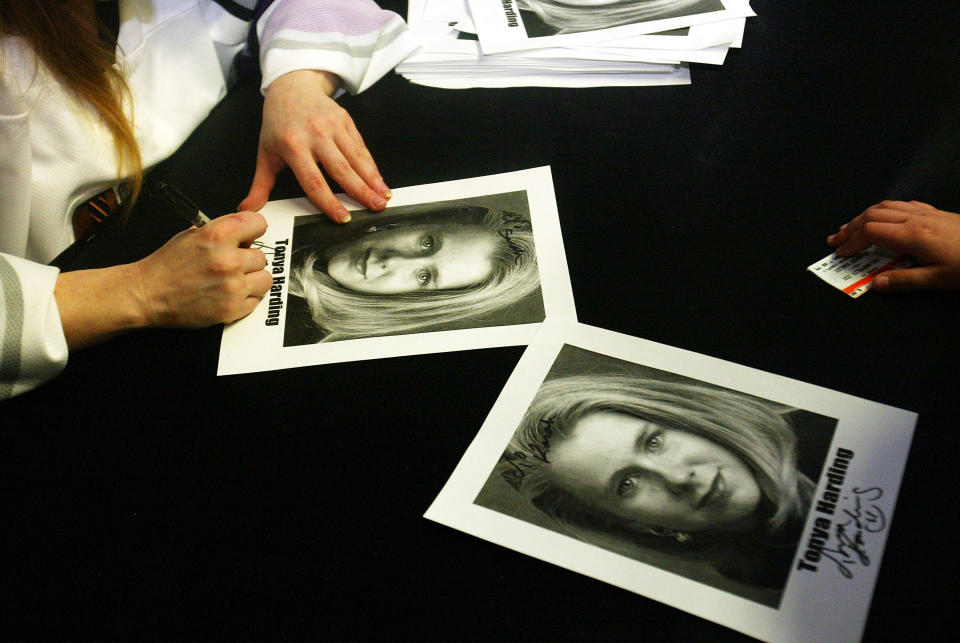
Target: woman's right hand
205, 276
200, 277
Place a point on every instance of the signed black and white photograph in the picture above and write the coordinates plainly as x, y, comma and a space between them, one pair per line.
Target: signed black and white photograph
516, 25
464, 264
744, 497
701, 480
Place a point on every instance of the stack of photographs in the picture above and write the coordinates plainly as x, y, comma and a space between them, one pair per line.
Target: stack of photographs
569, 43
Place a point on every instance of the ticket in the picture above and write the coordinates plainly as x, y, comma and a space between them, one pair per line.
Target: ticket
854, 275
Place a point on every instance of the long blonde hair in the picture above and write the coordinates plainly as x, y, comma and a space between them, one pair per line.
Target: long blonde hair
754, 430
66, 38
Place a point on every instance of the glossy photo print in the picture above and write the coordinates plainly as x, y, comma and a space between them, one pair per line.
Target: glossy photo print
462, 263
458, 265
704, 481
551, 17
517, 25
749, 499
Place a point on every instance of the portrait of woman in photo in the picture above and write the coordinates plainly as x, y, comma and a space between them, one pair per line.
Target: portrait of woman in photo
554, 17
679, 469
411, 269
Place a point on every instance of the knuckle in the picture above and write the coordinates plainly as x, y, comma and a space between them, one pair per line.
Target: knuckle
218, 231
338, 167
231, 289
923, 231
287, 141
256, 221
224, 263
320, 126
315, 183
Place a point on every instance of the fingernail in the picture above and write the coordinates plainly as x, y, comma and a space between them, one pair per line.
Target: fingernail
344, 217
881, 282
379, 203
388, 194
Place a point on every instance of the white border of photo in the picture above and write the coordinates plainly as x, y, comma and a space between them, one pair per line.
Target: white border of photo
496, 36
822, 605
249, 345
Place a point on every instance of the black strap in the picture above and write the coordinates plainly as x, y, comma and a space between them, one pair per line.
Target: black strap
236, 9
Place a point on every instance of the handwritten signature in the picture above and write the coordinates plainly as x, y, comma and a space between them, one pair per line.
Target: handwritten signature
863, 518
519, 462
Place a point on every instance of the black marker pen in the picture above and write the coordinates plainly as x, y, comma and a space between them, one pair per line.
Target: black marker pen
182, 205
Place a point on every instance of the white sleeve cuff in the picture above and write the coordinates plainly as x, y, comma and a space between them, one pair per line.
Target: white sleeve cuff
33, 348
359, 60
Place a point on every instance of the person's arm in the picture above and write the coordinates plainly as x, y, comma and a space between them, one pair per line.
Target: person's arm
306, 54
202, 276
929, 235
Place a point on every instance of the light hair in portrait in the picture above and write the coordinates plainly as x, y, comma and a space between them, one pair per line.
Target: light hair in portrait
341, 313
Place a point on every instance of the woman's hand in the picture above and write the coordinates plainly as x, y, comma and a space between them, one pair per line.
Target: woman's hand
302, 125
200, 277
929, 235
205, 276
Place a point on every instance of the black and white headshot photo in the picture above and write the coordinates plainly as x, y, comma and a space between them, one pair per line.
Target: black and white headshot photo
463, 263
707, 482
558, 17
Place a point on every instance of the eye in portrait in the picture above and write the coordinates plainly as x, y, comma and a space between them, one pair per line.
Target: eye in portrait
465, 263
703, 481
554, 17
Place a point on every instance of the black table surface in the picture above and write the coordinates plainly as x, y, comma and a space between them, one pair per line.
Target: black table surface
146, 497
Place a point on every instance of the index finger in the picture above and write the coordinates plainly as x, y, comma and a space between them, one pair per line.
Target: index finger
845, 239
892, 236
363, 162
238, 228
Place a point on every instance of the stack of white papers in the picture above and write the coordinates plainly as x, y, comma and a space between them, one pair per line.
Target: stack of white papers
568, 43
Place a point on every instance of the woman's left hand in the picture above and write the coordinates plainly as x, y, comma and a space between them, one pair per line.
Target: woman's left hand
302, 126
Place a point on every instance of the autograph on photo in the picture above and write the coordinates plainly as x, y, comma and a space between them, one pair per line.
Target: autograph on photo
853, 531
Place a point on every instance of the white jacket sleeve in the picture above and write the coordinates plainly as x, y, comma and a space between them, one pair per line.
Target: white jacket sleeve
32, 346
354, 39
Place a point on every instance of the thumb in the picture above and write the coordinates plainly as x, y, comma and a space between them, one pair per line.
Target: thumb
263, 180
923, 277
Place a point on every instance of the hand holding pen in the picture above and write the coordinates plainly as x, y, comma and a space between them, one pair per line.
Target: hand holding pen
208, 273
190, 212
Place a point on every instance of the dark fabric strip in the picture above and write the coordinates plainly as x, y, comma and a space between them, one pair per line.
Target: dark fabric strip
236, 9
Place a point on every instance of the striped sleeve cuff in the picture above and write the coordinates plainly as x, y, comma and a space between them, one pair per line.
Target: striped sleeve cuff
359, 60
33, 349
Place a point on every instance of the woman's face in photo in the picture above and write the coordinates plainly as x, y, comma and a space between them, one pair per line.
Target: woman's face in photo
655, 476
415, 258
